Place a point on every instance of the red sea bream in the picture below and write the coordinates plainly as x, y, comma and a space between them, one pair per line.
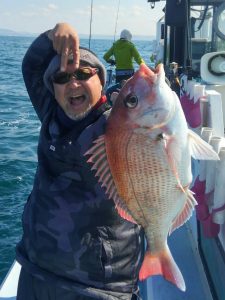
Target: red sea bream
144, 163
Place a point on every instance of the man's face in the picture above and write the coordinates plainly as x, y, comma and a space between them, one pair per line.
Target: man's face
77, 97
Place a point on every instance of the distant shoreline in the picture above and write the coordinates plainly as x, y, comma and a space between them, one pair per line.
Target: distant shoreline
11, 33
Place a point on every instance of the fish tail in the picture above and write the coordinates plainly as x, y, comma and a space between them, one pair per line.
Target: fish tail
162, 264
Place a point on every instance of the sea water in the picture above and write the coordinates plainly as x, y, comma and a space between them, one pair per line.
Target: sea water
19, 130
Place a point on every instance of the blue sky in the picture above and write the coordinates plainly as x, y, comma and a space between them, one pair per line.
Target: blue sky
38, 16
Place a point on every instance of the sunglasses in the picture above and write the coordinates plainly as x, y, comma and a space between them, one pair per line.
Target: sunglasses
79, 74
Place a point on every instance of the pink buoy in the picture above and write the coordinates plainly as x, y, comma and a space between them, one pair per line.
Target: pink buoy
199, 186
202, 212
191, 110
200, 198
210, 229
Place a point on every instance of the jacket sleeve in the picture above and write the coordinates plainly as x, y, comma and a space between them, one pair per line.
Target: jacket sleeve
35, 62
137, 56
108, 54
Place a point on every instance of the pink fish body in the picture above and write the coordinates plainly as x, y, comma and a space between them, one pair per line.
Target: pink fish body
144, 162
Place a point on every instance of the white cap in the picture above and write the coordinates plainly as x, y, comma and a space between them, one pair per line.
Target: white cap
126, 35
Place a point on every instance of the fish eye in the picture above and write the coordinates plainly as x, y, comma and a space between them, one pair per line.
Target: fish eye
131, 101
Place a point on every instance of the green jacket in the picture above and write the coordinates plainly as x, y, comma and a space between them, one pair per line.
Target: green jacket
124, 53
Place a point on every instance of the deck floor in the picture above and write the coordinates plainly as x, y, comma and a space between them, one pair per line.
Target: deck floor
183, 248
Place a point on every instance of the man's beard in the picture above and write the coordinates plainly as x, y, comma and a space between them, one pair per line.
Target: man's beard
80, 116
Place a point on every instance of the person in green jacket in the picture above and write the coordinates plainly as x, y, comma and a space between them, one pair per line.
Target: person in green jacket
124, 51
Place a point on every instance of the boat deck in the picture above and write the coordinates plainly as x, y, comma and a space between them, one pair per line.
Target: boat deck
182, 244
183, 248
8, 287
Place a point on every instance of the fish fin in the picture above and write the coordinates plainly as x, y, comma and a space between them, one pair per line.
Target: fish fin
98, 158
162, 264
123, 211
173, 156
201, 149
186, 212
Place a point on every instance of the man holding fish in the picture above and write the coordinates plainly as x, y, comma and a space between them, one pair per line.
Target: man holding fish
74, 244
103, 176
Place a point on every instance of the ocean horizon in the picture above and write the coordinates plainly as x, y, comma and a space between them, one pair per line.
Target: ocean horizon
8, 32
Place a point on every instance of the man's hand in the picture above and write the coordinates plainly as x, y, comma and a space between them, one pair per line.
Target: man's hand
66, 41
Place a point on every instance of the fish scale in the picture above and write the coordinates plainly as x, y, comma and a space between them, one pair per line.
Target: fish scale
151, 185
144, 163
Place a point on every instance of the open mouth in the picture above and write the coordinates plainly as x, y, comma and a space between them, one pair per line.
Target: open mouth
77, 100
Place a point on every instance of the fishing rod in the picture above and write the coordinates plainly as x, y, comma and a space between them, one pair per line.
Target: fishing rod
118, 7
90, 25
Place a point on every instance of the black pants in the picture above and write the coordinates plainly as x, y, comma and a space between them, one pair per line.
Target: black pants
123, 75
31, 288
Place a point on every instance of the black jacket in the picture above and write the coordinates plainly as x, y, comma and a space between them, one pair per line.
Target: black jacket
72, 234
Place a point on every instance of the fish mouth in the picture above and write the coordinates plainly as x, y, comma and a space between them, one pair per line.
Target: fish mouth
156, 112
153, 110
154, 118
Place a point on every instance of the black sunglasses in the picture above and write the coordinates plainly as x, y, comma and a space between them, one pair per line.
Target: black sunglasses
80, 74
